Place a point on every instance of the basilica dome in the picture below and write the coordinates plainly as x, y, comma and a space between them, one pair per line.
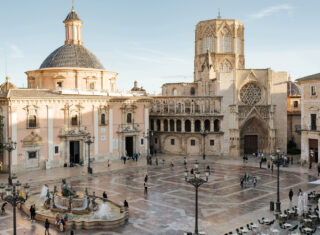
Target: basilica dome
72, 55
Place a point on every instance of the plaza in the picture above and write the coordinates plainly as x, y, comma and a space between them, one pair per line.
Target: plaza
168, 208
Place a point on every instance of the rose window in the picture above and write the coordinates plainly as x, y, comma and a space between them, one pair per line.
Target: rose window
250, 94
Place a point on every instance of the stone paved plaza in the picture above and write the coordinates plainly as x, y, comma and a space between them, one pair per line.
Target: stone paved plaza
169, 206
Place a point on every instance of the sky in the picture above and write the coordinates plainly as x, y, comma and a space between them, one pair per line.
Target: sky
152, 41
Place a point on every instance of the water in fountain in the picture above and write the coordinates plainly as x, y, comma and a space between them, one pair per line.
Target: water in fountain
104, 212
43, 194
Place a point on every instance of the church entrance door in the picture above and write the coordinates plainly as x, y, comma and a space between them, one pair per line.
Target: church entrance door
129, 145
250, 144
313, 145
75, 151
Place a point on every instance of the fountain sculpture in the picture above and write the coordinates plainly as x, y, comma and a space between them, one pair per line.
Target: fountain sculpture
84, 211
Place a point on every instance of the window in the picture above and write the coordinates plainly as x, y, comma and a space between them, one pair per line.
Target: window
142, 141
207, 125
225, 41
192, 91
165, 123
238, 42
59, 84
155, 140
225, 66
175, 92
313, 90
197, 126
32, 122
193, 142
103, 119
56, 149
172, 141
295, 104
158, 125
74, 120
211, 142
187, 126
313, 121
207, 44
179, 125
129, 118
152, 124
32, 155
171, 125
92, 86
216, 125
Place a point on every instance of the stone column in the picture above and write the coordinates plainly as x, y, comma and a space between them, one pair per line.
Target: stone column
50, 133
202, 124
95, 130
161, 125
14, 136
146, 127
183, 125
110, 131
192, 125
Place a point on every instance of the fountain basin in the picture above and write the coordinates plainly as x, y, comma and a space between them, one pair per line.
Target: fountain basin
116, 217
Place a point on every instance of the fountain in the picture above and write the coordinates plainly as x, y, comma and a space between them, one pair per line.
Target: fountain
84, 211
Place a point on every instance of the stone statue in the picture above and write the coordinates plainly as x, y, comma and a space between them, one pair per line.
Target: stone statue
65, 190
70, 203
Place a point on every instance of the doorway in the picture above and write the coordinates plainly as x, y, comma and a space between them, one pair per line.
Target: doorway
250, 144
313, 145
75, 151
129, 146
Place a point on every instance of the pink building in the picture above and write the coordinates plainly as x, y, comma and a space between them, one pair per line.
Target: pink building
68, 98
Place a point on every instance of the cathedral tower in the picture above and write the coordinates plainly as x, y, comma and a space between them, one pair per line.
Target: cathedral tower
223, 41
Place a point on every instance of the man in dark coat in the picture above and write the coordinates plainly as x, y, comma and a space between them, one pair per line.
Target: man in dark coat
290, 195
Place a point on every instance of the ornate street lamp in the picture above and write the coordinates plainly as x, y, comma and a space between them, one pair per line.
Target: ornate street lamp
278, 203
196, 181
10, 146
204, 133
89, 140
13, 197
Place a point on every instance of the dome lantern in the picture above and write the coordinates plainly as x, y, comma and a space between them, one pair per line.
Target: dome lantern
73, 27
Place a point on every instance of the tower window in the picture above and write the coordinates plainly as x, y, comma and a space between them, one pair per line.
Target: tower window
211, 142
193, 142
295, 104
59, 84
103, 119
172, 141
192, 91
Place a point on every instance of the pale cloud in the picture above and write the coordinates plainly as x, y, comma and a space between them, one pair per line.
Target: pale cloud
271, 10
15, 51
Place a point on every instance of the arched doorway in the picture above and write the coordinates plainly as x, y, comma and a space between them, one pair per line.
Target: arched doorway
254, 136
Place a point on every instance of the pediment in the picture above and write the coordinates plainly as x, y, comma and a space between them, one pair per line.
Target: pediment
252, 77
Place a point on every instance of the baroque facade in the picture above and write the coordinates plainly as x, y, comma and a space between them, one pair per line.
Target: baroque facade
70, 97
228, 109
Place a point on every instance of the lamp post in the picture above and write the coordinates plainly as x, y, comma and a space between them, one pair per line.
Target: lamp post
13, 197
89, 140
204, 133
196, 181
278, 203
10, 146
148, 136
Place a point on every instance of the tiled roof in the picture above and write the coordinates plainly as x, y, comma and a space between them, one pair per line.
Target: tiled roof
72, 16
72, 55
310, 77
292, 89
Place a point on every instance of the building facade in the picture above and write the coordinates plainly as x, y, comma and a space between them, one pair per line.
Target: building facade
228, 109
310, 108
70, 97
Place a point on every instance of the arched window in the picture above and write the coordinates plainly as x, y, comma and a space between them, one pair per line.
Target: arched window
225, 41
179, 125
207, 44
225, 66
32, 122
165, 123
175, 93
152, 124
207, 125
74, 120
187, 126
103, 119
158, 125
197, 126
171, 125
216, 125
129, 117
192, 91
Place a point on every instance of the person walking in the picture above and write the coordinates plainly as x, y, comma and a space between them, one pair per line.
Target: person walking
260, 163
47, 225
157, 163
145, 189
104, 195
126, 204
108, 163
300, 192
146, 178
62, 225
318, 169
241, 182
290, 195
72, 233
3, 208
185, 161
269, 166
272, 167
172, 166
254, 181
208, 169
124, 160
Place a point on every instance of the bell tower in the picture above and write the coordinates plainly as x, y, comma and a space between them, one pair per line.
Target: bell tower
222, 40
73, 26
